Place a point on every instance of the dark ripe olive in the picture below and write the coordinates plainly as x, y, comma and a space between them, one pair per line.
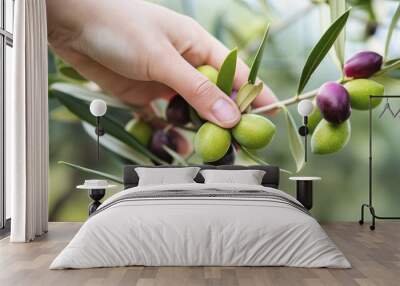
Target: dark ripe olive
228, 159
161, 138
178, 112
234, 95
363, 65
334, 102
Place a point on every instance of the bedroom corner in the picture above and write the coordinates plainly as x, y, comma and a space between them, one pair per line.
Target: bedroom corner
153, 142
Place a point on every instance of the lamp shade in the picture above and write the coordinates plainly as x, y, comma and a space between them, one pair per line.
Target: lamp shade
98, 107
305, 107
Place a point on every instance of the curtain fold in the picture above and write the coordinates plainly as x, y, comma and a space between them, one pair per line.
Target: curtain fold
27, 124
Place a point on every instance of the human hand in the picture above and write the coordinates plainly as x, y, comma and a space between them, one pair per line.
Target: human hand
139, 51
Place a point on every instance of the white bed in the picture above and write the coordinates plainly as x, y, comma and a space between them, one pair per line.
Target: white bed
225, 225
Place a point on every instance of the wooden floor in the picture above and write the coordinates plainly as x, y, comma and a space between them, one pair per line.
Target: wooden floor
375, 257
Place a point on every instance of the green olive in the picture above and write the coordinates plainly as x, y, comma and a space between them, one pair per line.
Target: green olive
211, 142
254, 131
314, 118
359, 91
140, 130
210, 72
330, 138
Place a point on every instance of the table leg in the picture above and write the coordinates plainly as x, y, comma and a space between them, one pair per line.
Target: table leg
304, 193
96, 196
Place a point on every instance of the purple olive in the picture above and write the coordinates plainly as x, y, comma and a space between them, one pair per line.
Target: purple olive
178, 112
334, 102
234, 95
228, 159
161, 138
363, 65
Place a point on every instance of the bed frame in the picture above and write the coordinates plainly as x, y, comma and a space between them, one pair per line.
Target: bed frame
270, 179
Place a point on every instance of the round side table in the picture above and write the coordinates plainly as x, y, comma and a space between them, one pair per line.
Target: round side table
304, 190
96, 190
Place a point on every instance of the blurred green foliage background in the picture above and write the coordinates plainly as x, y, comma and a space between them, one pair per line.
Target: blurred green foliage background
295, 29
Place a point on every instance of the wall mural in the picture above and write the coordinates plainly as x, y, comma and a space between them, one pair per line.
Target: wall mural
172, 132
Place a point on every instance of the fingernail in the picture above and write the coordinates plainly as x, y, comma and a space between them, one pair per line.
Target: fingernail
223, 110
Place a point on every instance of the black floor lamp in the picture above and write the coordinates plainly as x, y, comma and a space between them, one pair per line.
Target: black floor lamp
305, 108
369, 205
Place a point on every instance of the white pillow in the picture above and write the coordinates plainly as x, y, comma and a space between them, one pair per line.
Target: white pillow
248, 177
163, 176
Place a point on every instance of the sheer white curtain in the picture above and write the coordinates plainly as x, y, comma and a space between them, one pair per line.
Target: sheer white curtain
27, 124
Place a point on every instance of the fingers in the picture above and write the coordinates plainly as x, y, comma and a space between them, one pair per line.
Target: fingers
217, 54
202, 94
134, 92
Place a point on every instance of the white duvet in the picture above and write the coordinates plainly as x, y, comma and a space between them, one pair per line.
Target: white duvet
192, 231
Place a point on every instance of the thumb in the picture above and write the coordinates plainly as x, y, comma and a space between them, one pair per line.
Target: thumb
209, 101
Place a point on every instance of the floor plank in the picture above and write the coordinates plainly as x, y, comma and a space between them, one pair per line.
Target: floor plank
375, 257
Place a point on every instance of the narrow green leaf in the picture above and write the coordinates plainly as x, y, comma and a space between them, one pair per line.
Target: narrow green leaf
227, 73
62, 114
246, 94
243, 92
257, 60
112, 127
392, 61
256, 159
88, 95
71, 73
55, 78
116, 146
392, 85
295, 142
337, 8
93, 172
321, 49
388, 67
178, 158
391, 28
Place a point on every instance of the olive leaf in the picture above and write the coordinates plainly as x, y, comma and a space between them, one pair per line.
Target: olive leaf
116, 146
246, 94
390, 62
320, 50
71, 73
110, 125
391, 65
82, 93
227, 73
93, 172
258, 58
295, 142
337, 8
392, 85
392, 26
62, 114
178, 158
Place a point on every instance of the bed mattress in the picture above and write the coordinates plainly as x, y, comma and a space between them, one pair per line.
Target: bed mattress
201, 225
